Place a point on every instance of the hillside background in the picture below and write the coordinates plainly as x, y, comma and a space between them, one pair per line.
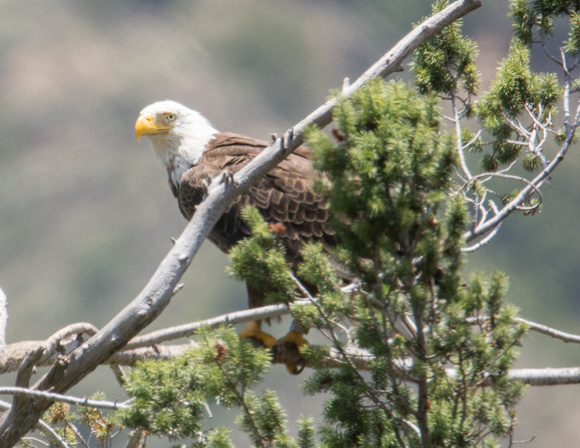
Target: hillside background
86, 214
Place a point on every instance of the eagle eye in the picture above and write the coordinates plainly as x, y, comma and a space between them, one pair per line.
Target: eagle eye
170, 116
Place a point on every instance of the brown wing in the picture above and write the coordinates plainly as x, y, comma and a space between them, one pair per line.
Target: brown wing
284, 196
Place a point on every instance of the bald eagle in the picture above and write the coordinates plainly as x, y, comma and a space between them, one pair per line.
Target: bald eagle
194, 152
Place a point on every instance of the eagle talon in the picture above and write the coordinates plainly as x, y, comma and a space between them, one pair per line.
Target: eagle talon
228, 178
259, 338
287, 351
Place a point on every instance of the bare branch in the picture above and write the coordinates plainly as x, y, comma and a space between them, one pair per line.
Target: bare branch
134, 439
160, 352
483, 241
22, 391
547, 376
27, 367
544, 329
186, 330
64, 341
534, 326
237, 317
533, 377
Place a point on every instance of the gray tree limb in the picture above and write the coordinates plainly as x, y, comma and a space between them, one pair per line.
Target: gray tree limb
101, 404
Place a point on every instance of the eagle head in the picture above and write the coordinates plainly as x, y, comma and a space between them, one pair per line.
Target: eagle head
178, 135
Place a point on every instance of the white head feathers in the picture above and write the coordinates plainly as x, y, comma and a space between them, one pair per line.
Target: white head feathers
178, 135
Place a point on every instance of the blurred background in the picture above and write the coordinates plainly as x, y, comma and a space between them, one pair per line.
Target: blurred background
86, 213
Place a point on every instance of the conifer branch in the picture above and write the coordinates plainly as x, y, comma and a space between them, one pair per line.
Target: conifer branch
535, 144
45, 429
516, 203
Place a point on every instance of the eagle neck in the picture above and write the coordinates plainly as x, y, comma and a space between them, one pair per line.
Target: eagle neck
180, 152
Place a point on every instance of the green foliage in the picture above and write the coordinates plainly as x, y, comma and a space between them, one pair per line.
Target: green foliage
390, 167
218, 438
402, 235
306, 433
60, 418
516, 92
446, 59
516, 87
539, 16
259, 260
64, 421
521, 101
168, 398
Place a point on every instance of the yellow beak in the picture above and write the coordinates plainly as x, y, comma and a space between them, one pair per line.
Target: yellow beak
146, 125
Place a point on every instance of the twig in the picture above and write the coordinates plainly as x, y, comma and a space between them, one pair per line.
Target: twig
534, 326
483, 241
534, 188
28, 441
119, 374
532, 377
460, 146
80, 439
22, 391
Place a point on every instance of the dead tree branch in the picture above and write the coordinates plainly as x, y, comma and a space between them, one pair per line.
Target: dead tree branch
101, 404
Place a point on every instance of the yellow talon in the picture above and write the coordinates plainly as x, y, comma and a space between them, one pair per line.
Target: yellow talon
253, 331
294, 337
287, 351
